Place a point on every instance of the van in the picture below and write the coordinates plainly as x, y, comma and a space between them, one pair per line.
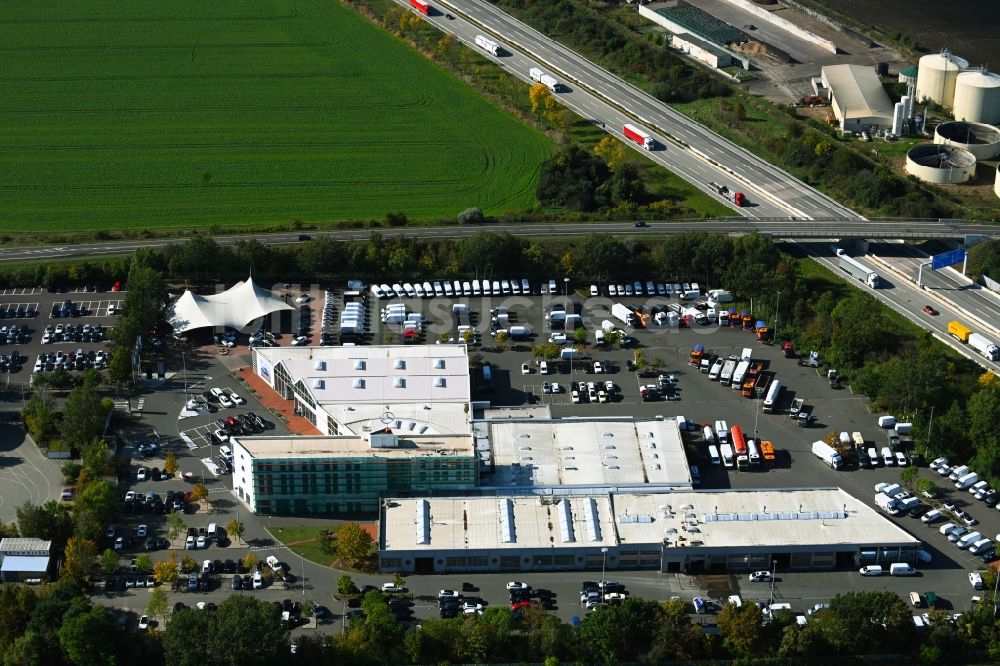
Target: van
966, 480
709, 434
947, 527
886, 421
206, 567
958, 472
902, 569
978, 486
916, 600
887, 456
213, 531
873, 456
570, 354
931, 516
713, 454
968, 540
845, 438
907, 504
226, 452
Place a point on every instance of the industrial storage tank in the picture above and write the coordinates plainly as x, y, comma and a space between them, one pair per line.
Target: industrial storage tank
936, 76
908, 74
981, 140
932, 163
977, 97
996, 183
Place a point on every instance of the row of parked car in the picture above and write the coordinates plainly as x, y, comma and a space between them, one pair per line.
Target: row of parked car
78, 360
681, 289
73, 333
15, 334
441, 288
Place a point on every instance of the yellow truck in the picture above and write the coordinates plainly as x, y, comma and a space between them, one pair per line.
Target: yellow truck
959, 331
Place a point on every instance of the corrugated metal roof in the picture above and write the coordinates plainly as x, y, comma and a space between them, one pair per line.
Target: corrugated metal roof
857, 91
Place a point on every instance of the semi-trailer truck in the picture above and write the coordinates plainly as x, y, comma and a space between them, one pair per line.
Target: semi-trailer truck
636, 135
984, 346
739, 374
623, 313
485, 43
959, 331
827, 454
740, 446
550, 82
421, 6
738, 198
858, 270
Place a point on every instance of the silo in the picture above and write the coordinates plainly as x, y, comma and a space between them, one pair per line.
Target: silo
977, 97
908, 74
936, 76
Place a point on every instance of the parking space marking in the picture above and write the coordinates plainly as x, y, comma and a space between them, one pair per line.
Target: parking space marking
11, 308
20, 291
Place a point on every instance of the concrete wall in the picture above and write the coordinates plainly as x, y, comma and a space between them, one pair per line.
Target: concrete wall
678, 29
784, 24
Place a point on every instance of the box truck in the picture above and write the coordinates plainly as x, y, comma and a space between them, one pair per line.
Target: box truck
551, 83
887, 504
739, 374
722, 431
727, 372
984, 346
959, 331
421, 6
827, 454
771, 399
856, 269
623, 314
727, 455
487, 45
636, 135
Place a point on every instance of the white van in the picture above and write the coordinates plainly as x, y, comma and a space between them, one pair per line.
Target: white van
968, 540
887, 457
873, 456
947, 528
931, 516
958, 472
902, 569
978, 486
213, 531
709, 434
886, 421
966, 480
713, 453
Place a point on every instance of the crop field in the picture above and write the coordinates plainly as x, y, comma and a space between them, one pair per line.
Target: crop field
189, 114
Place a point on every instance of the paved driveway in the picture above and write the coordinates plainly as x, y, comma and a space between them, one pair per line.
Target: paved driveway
25, 474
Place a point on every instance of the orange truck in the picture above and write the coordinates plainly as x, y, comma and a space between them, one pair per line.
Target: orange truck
767, 452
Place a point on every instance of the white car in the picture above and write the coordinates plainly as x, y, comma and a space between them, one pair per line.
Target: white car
449, 594
237, 400
46, 339
901, 459
217, 392
760, 577
391, 587
525, 369
141, 474
201, 542
872, 570
222, 435
598, 368
143, 623
141, 531
258, 580
300, 340
594, 291
130, 496
612, 290
558, 338
556, 388
543, 368
304, 298
515, 585
113, 309
225, 401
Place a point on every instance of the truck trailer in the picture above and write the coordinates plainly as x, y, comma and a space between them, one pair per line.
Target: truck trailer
858, 270
421, 6
740, 446
737, 198
739, 374
959, 331
827, 454
485, 43
624, 314
550, 82
636, 135
726, 375
984, 346
771, 399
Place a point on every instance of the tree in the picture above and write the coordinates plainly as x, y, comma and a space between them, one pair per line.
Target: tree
83, 417
250, 561
51, 521
170, 463
611, 151
185, 641
601, 252
144, 563
89, 637
471, 216
926, 487
199, 492
501, 337
235, 528
245, 630
188, 564
93, 509
908, 475
120, 366
398, 580
537, 94
165, 571
572, 178
741, 630
345, 585
109, 561
354, 543
580, 335
157, 606
175, 525
40, 418
79, 558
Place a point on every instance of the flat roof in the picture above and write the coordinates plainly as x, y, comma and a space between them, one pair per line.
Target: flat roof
427, 418
24, 545
375, 374
858, 91
496, 523
353, 446
587, 452
753, 518
25, 564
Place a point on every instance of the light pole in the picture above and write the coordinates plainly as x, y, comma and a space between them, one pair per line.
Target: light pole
774, 567
302, 568
776, 304
565, 332
604, 561
184, 364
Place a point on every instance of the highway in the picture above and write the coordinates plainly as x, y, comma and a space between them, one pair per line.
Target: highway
607, 97
783, 228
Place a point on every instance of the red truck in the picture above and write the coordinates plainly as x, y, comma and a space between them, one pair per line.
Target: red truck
736, 197
740, 445
421, 6
633, 133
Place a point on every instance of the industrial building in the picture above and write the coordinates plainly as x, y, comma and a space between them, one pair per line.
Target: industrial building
673, 531
25, 560
348, 473
858, 100
569, 454
411, 390
698, 31
701, 50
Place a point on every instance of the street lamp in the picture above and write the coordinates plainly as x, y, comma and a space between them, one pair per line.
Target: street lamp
774, 567
604, 561
566, 332
776, 304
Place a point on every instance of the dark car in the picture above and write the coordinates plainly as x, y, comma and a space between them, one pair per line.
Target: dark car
919, 510
989, 556
179, 606
237, 583
305, 237
639, 223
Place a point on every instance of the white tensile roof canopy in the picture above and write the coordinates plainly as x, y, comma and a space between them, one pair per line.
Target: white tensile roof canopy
236, 307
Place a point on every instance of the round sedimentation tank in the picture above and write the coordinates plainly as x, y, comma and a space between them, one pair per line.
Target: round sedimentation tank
983, 141
977, 97
942, 165
996, 183
908, 74
936, 76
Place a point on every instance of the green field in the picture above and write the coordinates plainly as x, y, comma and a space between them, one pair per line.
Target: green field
186, 114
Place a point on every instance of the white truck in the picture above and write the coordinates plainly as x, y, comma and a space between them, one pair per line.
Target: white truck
726, 375
984, 346
827, 454
550, 82
888, 504
622, 312
741, 371
488, 45
771, 399
753, 451
858, 270
722, 432
727, 454
720, 295
713, 373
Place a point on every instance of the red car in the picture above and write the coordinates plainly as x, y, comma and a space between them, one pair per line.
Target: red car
931, 311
